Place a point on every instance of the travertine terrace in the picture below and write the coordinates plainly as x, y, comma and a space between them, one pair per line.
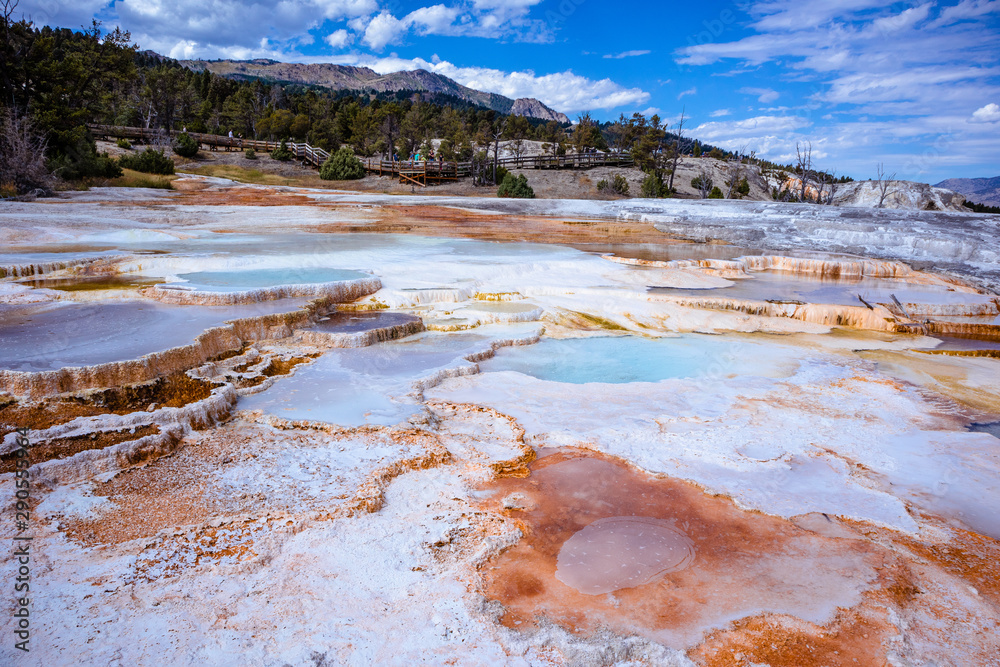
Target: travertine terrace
283, 427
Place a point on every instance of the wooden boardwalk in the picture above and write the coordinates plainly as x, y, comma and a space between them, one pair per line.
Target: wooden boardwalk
414, 172
305, 152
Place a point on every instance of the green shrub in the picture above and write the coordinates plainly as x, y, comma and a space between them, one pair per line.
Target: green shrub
617, 185
502, 172
186, 146
743, 189
250, 154
516, 187
716, 193
81, 165
282, 153
124, 143
653, 186
78, 159
149, 161
342, 165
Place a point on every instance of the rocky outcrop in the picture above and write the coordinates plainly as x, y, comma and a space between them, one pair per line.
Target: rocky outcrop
901, 194
532, 108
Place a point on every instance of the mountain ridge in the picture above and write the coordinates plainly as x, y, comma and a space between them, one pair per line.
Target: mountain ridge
979, 190
354, 78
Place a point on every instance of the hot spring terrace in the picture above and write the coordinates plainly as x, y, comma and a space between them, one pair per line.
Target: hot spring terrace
415, 433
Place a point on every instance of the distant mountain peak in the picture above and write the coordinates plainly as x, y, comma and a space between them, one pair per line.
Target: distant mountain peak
979, 190
529, 106
347, 77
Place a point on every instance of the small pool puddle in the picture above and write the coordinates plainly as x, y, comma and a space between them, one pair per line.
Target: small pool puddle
356, 322
622, 552
965, 343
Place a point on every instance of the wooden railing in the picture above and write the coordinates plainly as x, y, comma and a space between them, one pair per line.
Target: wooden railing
418, 172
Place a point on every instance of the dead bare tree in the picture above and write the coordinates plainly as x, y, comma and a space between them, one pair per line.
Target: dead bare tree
518, 148
22, 156
882, 184
735, 170
803, 165
828, 185
677, 152
496, 133
703, 182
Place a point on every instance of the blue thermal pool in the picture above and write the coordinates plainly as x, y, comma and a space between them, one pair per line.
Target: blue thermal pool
621, 359
370, 385
52, 336
232, 281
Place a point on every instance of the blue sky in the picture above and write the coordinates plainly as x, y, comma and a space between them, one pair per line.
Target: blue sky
915, 85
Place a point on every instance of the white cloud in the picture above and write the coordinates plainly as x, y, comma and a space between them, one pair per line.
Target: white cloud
759, 125
628, 54
916, 70
763, 95
967, 9
384, 29
987, 114
268, 28
229, 27
64, 13
718, 113
689, 91
338, 39
482, 18
906, 19
432, 20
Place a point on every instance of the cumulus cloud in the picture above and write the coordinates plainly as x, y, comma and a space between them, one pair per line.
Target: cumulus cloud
480, 18
230, 28
384, 29
338, 39
268, 28
987, 114
436, 19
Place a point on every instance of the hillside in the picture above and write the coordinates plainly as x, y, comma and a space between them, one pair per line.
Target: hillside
347, 77
978, 190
